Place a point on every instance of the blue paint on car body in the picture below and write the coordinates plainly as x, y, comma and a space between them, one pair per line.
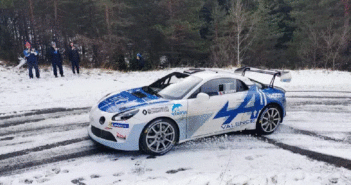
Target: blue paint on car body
126, 100
230, 114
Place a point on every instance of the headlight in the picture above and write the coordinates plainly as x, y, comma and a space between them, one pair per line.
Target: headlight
124, 115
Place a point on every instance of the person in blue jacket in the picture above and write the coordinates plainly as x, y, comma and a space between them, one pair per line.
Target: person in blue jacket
32, 60
56, 60
73, 56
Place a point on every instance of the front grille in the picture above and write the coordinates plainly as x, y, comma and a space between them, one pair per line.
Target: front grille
103, 134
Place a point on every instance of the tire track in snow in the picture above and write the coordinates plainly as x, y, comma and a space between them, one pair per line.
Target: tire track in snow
44, 111
336, 161
15, 123
41, 148
323, 91
324, 97
303, 103
89, 151
9, 169
21, 122
49, 129
314, 134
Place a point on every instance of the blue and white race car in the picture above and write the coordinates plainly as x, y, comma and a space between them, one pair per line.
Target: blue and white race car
187, 105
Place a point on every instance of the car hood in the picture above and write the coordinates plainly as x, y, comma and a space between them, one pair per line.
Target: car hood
127, 100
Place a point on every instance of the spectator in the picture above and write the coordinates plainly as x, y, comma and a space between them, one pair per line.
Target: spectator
32, 60
140, 61
74, 58
56, 59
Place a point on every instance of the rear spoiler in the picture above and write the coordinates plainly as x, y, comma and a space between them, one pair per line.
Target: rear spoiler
285, 76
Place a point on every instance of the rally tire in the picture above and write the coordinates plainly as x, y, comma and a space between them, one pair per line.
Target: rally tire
269, 120
159, 137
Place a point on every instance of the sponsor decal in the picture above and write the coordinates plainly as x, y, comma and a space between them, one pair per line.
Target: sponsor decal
119, 125
121, 136
237, 124
176, 110
275, 96
108, 128
157, 110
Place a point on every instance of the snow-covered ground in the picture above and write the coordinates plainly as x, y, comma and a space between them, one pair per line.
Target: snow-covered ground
55, 142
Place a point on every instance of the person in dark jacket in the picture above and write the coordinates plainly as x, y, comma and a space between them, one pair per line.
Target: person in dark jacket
32, 60
140, 61
73, 56
56, 60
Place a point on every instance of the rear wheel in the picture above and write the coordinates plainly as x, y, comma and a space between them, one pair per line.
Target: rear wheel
159, 137
269, 120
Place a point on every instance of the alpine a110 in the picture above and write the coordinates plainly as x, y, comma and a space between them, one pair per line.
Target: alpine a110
187, 105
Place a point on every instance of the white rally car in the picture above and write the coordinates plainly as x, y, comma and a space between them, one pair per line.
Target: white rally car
184, 106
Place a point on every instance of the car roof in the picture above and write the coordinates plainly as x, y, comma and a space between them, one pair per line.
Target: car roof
214, 74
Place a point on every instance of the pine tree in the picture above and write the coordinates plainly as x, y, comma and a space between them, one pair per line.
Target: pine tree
321, 32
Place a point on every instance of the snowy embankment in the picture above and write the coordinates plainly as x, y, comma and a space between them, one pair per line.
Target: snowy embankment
317, 121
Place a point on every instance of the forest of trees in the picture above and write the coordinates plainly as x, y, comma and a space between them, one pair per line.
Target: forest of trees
293, 34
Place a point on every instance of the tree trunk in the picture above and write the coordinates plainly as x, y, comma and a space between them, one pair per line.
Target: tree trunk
107, 17
32, 22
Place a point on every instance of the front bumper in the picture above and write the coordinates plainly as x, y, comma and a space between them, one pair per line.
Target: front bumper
114, 136
130, 144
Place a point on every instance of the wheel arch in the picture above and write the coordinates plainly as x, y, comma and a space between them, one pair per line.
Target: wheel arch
280, 107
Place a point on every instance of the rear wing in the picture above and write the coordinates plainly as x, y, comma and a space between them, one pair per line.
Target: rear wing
285, 76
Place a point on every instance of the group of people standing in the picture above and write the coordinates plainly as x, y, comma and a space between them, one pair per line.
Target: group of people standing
31, 55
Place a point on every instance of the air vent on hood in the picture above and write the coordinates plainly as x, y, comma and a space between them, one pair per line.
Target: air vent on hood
139, 94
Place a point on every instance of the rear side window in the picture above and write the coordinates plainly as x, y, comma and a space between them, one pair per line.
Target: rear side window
220, 86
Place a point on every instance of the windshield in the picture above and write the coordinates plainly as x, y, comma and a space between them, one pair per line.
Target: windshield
180, 89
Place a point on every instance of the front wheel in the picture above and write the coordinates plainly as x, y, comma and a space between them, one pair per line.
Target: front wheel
268, 120
159, 137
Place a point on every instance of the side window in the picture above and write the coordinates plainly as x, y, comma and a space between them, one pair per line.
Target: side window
221, 86
212, 87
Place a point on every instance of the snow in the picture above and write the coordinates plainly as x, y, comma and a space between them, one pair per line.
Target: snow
227, 159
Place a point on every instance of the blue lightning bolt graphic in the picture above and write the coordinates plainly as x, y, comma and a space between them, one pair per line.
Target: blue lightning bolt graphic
232, 113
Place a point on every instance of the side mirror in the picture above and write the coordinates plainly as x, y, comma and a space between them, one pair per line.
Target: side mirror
202, 97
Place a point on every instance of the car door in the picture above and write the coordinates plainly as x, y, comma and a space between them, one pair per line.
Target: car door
214, 114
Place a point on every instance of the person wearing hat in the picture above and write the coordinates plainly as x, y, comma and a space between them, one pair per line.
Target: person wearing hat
73, 56
141, 61
32, 60
56, 59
